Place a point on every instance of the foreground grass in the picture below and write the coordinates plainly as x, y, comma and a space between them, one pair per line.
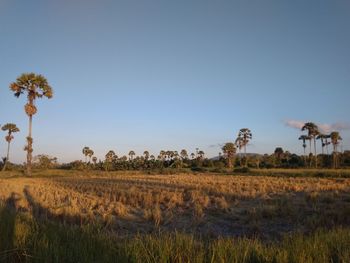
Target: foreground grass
25, 239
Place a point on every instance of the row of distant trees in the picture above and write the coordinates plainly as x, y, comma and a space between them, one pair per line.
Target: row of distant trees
233, 154
314, 134
278, 159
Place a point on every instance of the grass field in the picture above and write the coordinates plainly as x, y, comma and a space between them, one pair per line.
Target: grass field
70, 216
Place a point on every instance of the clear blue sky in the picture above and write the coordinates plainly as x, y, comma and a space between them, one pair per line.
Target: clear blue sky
174, 74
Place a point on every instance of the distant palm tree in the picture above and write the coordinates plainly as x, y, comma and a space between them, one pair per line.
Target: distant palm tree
90, 154
245, 135
327, 142
35, 86
10, 128
131, 155
146, 154
201, 154
335, 138
322, 137
94, 160
229, 150
312, 133
183, 154
304, 138
86, 151
110, 156
192, 156
239, 146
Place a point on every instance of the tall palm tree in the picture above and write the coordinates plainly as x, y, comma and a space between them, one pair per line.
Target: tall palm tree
86, 151
229, 150
35, 86
312, 133
322, 137
328, 136
10, 128
335, 138
245, 136
239, 146
304, 138
90, 154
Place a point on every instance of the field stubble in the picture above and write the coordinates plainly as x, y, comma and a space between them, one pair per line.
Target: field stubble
201, 204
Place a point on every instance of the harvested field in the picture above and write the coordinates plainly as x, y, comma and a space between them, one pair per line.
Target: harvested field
205, 205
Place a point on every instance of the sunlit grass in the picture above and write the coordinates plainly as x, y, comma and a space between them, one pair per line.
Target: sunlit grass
24, 239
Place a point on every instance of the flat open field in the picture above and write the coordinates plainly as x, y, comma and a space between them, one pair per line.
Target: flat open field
204, 206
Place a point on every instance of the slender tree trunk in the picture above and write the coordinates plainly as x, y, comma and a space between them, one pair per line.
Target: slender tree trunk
310, 162
305, 155
334, 156
7, 156
315, 152
229, 163
240, 157
29, 147
245, 156
327, 150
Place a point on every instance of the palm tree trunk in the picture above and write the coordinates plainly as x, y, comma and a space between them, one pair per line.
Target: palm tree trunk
315, 152
334, 156
29, 147
310, 154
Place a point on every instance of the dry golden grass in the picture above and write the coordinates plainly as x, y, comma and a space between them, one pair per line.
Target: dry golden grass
207, 204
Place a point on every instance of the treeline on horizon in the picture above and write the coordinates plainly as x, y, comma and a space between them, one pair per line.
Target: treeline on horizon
174, 161
233, 155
